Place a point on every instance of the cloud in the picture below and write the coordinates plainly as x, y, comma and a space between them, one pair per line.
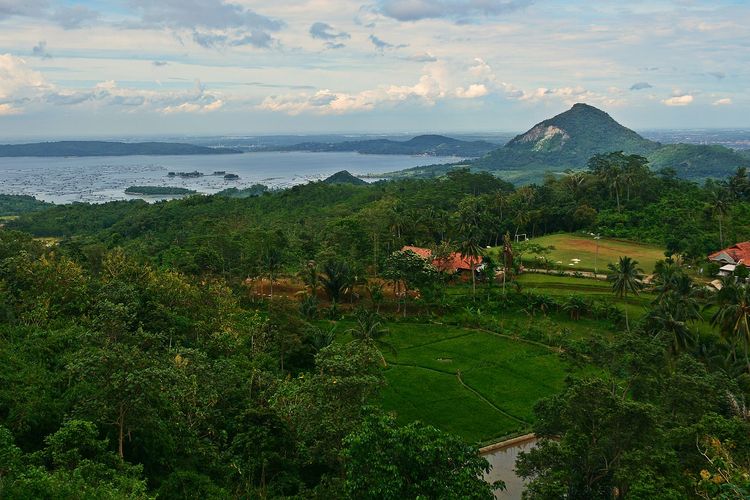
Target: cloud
472, 92
159, 63
422, 58
722, 102
22, 88
416, 10
74, 17
212, 23
678, 100
323, 31
40, 50
69, 17
27, 8
382, 44
641, 86
19, 84
427, 91
718, 75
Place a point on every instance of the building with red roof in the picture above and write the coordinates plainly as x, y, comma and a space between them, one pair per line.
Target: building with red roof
454, 263
736, 254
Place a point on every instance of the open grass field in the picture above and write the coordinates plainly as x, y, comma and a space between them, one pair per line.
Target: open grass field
578, 246
479, 385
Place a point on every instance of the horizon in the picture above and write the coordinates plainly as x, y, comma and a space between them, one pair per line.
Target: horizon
93, 68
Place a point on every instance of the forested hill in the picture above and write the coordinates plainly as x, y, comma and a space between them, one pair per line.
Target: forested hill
106, 148
431, 145
568, 140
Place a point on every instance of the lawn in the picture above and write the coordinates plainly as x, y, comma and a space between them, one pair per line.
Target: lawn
500, 379
579, 246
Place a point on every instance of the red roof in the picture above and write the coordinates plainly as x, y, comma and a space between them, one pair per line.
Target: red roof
454, 262
739, 253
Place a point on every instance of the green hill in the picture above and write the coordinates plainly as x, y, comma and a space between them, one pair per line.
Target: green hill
430, 145
344, 177
568, 140
694, 161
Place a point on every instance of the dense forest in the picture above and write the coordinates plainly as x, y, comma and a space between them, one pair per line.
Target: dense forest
138, 359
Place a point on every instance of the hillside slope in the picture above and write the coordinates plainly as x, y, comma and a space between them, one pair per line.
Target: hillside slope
568, 140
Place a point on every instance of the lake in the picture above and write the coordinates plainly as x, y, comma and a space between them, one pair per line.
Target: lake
101, 179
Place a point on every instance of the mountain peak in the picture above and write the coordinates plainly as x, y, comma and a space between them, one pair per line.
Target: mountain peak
581, 130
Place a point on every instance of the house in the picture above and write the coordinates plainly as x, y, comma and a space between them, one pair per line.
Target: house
731, 257
454, 263
736, 254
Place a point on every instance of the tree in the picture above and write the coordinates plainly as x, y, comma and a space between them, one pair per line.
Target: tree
272, 261
733, 315
470, 247
407, 269
337, 277
604, 443
370, 330
385, 461
625, 277
719, 206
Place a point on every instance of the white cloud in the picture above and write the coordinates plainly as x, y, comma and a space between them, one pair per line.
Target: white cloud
678, 100
472, 92
22, 88
722, 102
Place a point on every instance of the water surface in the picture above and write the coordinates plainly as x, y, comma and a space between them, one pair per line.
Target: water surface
101, 179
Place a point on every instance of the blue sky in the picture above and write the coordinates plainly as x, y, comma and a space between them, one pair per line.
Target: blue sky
139, 67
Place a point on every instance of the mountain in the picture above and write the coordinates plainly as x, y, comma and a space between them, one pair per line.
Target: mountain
344, 177
568, 140
103, 148
430, 145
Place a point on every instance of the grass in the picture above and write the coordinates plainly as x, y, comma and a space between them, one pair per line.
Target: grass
500, 379
578, 246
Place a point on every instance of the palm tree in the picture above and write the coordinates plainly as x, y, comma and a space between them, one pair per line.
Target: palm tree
336, 278
369, 329
719, 208
272, 261
671, 317
733, 315
471, 250
625, 277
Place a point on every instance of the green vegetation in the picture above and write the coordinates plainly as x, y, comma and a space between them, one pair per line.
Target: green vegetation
12, 204
432, 145
344, 177
158, 190
589, 252
477, 384
254, 190
255, 347
568, 140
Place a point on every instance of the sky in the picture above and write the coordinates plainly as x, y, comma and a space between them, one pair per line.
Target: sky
215, 67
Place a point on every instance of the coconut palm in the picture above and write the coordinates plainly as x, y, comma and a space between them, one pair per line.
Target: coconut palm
369, 329
719, 207
337, 277
625, 277
670, 317
733, 315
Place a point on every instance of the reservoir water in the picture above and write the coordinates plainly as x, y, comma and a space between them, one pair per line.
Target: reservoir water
102, 179
503, 461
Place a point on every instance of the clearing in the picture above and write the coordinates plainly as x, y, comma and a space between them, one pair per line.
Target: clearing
584, 248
